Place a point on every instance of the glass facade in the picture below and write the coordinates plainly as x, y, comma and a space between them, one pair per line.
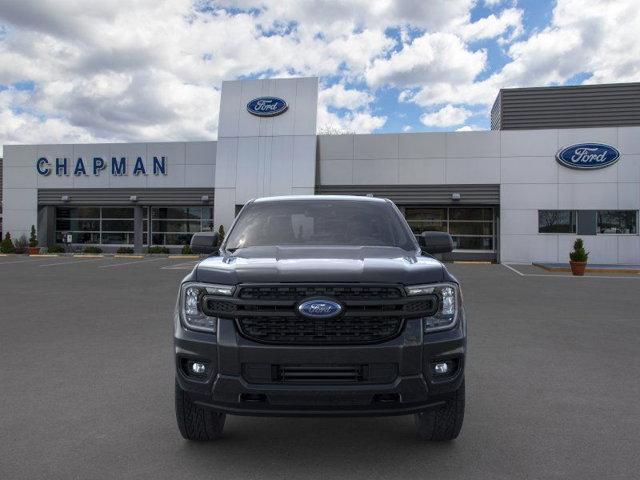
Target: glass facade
176, 225
169, 226
618, 221
556, 221
472, 228
95, 225
588, 222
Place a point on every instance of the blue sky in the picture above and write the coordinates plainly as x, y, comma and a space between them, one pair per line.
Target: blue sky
77, 71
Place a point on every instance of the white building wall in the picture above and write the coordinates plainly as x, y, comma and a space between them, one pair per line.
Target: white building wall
263, 156
189, 164
522, 162
532, 180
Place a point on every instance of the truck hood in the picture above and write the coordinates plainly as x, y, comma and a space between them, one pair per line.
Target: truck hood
320, 265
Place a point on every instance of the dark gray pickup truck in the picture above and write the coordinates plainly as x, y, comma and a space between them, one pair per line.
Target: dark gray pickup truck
320, 305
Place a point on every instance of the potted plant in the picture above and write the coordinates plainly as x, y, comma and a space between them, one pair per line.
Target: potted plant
578, 258
33, 242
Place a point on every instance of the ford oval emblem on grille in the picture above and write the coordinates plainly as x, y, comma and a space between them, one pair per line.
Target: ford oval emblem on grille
320, 308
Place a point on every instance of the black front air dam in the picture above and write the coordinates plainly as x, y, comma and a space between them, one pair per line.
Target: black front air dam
411, 388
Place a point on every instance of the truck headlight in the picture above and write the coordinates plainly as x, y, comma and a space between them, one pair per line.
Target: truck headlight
191, 305
449, 300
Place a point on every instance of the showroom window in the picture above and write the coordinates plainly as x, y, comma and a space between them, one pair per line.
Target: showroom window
176, 225
557, 221
471, 228
618, 221
95, 225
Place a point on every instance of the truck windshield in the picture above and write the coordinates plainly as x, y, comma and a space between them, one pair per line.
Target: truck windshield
320, 222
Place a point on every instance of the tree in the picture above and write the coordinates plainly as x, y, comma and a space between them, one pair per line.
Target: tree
333, 129
7, 244
33, 238
221, 234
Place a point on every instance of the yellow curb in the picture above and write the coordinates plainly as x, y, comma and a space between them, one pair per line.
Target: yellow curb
591, 270
88, 255
183, 256
127, 255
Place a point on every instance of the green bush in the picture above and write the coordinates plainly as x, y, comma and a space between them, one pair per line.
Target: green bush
56, 249
579, 254
124, 251
158, 249
7, 244
221, 234
92, 249
33, 238
186, 250
21, 244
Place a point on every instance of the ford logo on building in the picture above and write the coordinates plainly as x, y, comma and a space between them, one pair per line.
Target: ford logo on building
588, 156
267, 106
320, 308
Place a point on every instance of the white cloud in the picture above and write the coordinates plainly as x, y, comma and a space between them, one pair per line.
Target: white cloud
583, 37
447, 116
151, 69
407, 128
338, 96
509, 20
351, 122
432, 57
492, 3
469, 128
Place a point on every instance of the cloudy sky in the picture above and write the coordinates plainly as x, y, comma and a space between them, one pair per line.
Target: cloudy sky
125, 70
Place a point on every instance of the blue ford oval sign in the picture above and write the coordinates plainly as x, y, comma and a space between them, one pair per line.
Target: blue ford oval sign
267, 106
320, 308
588, 156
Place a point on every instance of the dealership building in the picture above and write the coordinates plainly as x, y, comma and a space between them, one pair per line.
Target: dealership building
559, 162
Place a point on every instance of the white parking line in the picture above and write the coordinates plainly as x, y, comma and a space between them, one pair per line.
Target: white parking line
555, 275
513, 270
180, 266
130, 263
70, 262
22, 261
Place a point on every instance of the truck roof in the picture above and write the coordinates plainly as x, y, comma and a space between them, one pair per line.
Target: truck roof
351, 198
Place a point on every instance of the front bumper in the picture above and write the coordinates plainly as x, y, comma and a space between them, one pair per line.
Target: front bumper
400, 380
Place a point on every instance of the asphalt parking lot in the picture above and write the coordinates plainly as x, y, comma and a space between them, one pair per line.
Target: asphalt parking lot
86, 384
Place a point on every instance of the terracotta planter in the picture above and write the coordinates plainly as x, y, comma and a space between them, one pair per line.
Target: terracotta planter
578, 268
34, 250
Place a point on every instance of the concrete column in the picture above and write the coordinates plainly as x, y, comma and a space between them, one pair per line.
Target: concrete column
138, 228
46, 228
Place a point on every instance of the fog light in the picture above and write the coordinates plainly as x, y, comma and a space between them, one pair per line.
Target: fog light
441, 368
198, 368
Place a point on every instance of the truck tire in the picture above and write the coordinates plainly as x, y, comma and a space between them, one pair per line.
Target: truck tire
196, 422
442, 424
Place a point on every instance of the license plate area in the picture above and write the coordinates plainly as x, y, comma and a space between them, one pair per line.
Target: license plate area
319, 374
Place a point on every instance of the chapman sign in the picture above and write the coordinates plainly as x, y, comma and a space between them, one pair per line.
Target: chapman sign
267, 106
96, 165
588, 156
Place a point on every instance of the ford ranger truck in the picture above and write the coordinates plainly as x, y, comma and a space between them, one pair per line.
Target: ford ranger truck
320, 305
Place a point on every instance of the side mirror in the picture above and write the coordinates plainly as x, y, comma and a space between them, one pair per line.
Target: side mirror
436, 242
204, 242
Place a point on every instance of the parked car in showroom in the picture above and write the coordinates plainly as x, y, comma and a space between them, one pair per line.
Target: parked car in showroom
320, 306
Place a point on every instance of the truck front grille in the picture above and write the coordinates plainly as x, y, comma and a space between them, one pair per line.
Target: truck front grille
339, 330
371, 313
339, 292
